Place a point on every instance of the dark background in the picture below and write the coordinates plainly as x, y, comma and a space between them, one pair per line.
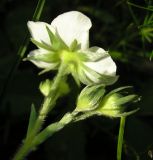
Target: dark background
117, 27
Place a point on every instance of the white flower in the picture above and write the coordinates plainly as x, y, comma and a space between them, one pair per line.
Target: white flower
67, 39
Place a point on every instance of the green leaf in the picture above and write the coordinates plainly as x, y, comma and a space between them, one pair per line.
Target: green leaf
32, 119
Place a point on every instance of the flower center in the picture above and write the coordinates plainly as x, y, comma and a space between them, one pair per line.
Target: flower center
69, 57
72, 58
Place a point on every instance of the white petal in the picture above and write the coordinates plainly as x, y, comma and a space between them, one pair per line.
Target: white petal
105, 65
73, 25
94, 53
38, 63
39, 32
44, 65
94, 79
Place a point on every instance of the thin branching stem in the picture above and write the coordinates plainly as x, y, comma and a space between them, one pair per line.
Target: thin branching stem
21, 51
133, 15
138, 6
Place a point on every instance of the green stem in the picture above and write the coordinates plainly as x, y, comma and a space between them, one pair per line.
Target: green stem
49, 100
52, 129
36, 138
57, 126
38, 10
21, 51
138, 6
120, 138
133, 15
47, 105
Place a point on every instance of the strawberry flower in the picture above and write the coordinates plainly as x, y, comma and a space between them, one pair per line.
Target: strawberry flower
66, 40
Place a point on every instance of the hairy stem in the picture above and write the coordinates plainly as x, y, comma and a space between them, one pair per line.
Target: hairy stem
47, 105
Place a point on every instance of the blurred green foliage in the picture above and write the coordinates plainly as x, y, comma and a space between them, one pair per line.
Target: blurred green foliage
125, 29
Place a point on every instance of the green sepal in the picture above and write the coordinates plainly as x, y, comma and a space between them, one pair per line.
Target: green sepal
32, 119
49, 57
62, 44
124, 114
114, 113
56, 42
126, 99
114, 103
52, 37
74, 45
41, 45
118, 90
44, 71
76, 77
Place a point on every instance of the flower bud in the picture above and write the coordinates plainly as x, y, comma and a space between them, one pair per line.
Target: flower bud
46, 85
89, 98
113, 104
